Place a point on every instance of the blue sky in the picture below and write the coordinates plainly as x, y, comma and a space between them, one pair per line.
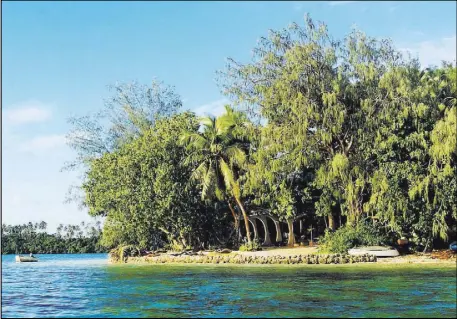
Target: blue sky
58, 58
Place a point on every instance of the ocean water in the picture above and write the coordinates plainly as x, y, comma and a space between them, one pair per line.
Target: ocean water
87, 286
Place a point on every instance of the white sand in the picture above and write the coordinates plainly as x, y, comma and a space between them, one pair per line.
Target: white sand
283, 251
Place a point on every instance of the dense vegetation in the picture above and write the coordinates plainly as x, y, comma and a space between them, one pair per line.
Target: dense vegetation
348, 133
33, 238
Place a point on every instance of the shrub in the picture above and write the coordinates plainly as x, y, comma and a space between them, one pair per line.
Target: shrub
121, 253
254, 246
348, 237
176, 247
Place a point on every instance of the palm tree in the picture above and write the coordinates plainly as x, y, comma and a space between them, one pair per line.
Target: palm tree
219, 150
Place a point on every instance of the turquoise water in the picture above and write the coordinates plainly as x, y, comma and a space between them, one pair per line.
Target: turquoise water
86, 286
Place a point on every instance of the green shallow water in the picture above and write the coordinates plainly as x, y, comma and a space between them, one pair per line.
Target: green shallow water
87, 287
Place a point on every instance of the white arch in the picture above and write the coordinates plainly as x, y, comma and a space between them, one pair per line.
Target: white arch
254, 227
267, 239
278, 228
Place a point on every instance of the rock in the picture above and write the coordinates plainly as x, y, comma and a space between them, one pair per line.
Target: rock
190, 257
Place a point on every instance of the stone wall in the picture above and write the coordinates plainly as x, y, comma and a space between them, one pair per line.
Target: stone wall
243, 259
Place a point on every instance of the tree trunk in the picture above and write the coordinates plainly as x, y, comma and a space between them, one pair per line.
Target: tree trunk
237, 222
291, 239
331, 222
246, 220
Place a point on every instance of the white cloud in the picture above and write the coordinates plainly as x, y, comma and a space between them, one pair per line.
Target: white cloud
214, 108
27, 112
339, 3
433, 52
44, 143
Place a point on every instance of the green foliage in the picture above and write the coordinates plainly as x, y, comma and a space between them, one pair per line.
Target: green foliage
219, 153
353, 129
144, 189
334, 130
121, 253
132, 109
350, 236
72, 239
253, 246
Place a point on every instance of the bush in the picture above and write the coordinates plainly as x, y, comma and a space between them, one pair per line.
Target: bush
254, 246
176, 247
121, 253
347, 237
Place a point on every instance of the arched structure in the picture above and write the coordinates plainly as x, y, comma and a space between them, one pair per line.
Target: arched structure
277, 226
266, 240
263, 220
292, 227
254, 227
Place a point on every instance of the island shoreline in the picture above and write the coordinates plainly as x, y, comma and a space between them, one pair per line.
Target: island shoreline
361, 265
284, 257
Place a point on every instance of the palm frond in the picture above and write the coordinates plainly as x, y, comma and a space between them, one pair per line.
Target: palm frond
185, 137
208, 181
228, 176
193, 140
208, 121
236, 155
228, 109
200, 172
224, 123
219, 192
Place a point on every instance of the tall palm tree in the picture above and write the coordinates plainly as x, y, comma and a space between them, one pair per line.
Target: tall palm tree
219, 151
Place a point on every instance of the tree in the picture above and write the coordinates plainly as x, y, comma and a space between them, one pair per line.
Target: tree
353, 113
340, 131
219, 152
144, 190
17, 239
131, 110
299, 83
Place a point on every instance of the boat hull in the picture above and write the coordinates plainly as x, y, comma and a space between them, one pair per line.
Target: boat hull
22, 259
377, 251
453, 246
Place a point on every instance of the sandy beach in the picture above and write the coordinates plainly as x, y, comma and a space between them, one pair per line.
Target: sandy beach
439, 257
296, 255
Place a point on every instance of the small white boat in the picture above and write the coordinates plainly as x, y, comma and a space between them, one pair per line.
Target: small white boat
26, 259
378, 251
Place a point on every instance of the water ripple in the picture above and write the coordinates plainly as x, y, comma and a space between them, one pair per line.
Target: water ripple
86, 286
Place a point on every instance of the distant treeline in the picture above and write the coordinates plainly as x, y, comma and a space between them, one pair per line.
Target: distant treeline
33, 238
